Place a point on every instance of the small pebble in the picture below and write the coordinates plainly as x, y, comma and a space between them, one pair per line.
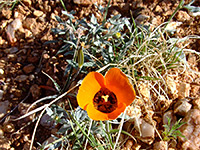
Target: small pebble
37, 13
1, 94
28, 68
4, 107
182, 107
21, 78
1, 133
161, 145
9, 127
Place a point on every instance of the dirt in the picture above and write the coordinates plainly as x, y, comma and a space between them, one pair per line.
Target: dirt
24, 55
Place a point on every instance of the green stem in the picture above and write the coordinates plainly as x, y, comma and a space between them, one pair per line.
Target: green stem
176, 10
63, 5
108, 133
104, 20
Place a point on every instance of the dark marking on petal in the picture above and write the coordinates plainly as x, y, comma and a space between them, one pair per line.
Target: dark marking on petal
105, 101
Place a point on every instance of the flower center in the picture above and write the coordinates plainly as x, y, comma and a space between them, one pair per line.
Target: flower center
105, 101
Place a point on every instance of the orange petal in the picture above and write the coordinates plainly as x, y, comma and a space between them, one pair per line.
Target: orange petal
117, 82
113, 115
90, 86
95, 114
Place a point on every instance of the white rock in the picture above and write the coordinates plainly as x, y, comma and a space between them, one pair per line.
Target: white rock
147, 132
172, 26
147, 129
4, 106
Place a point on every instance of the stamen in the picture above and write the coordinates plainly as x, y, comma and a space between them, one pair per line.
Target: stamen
105, 97
105, 101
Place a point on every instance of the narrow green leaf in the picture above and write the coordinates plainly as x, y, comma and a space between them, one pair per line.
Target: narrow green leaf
54, 82
80, 58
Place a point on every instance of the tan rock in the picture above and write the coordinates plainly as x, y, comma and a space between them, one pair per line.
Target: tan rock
29, 23
158, 9
183, 90
172, 86
12, 57
161, 145
144, 90
53, 16
191, 130
18, 93
1, 71
129, 144
27, 2
168, 13
37, 13
2, 41
182, 107
196, 103
28, 33
6, 12
9, 127
84, 2
163, 103
183, 16
5, 144
47, 7
192, 60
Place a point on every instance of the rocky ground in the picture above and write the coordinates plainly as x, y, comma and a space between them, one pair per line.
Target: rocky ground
23, 55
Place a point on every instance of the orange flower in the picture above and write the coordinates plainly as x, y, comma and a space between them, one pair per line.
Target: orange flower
105, 98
